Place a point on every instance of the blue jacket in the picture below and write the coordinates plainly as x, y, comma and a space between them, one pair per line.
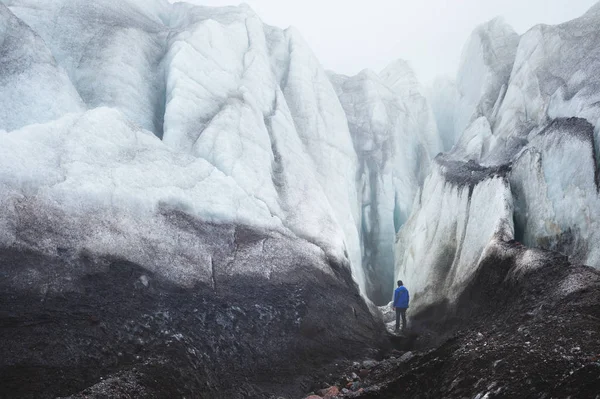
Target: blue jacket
401, 297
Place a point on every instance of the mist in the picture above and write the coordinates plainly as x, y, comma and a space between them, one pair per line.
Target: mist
350, 36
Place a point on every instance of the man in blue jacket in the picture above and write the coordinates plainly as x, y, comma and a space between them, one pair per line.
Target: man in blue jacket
401, 299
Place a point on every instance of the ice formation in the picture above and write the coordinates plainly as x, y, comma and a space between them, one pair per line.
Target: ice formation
460, 210
554, 75
179, 156
95, 183
525, 162
555, 186
178, 186
254, 127
483, 74
395, 138
211, 112
34, 87
443, 98
217, 116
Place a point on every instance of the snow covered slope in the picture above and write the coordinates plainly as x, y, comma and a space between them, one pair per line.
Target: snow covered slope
395, 137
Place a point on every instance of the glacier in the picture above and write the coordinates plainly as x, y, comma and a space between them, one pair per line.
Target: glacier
215, 85
524, 165
35, 89
186, 188
395, 137
218, 85
555, 184
484, 70
438, 250
184, 180
442, 96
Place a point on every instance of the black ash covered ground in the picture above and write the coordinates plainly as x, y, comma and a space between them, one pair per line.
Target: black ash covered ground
121, 331
515, 333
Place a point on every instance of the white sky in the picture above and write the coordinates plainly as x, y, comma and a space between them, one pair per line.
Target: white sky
350, 35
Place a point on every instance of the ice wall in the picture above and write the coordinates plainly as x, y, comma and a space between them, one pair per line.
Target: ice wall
178, 189
461, 208
528, 107
115, 111
33, 87
555, 186
244, 112
93, 183
111, 51
554, 75
239, 95
486, 63
443, 98
395, 138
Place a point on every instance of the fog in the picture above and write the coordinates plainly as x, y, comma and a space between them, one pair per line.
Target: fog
349, 36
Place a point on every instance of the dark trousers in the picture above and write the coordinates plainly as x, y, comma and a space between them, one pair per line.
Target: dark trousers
401, 312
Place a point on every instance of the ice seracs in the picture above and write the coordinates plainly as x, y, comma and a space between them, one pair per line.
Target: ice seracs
33, 87
461, 208
555, 187
442, 96
178, 184
238, 99
93, 43
554, 75
238, 96
395, 138
485, 67
137, 107
475, 141
93, 182
527, 107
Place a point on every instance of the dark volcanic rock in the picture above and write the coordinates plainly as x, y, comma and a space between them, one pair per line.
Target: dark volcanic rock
527, 326
121, 331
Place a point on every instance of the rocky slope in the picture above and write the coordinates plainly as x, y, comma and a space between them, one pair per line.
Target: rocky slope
121, 330
526, 326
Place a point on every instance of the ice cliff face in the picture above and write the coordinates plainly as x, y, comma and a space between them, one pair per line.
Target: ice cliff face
34, 87
554, 75
524, 165
395, 138
443, 98
555, 186
483, 74
202, 100
462, 208
246, 126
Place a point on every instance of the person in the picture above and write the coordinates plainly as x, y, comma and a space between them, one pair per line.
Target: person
401, 300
